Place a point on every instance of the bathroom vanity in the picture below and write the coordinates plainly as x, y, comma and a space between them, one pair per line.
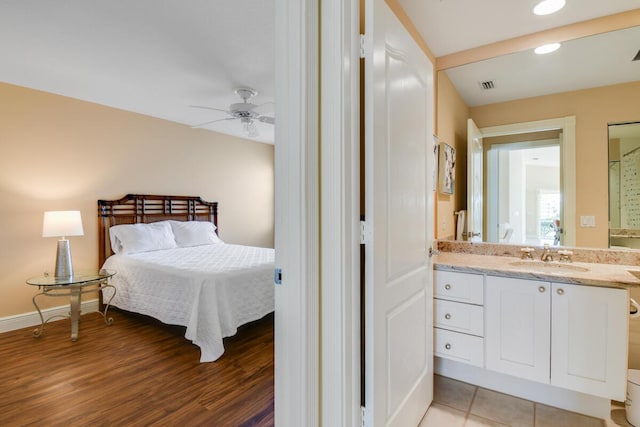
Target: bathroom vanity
551, 332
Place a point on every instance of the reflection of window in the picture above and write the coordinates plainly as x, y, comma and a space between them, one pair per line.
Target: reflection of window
548, 213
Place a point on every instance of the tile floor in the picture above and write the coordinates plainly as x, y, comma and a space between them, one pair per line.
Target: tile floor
457, 404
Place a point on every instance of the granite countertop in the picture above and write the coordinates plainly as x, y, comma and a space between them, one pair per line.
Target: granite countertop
596, 274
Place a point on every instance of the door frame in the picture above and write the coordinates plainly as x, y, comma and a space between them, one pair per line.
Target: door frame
317, 182
568, 160
296, 320
340, 212
492, 193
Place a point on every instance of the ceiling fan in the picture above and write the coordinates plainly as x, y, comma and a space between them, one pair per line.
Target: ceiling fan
243, 111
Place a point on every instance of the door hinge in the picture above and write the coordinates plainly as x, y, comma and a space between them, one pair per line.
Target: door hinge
363, 43
277, 276
365, 233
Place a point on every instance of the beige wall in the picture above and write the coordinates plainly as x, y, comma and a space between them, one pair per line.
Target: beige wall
59, 153
594, 109
452, 129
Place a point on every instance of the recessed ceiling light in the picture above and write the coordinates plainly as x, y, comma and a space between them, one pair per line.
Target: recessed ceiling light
547, 48
547, 7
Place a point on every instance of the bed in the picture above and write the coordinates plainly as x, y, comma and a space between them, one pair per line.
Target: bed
171, 265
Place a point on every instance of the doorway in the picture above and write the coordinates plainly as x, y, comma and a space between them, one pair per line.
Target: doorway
479, 180
524, 203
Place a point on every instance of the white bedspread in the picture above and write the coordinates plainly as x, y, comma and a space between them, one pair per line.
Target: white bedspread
210, 289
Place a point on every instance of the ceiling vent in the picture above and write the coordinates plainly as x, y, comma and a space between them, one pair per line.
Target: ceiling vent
637, 57
489, 84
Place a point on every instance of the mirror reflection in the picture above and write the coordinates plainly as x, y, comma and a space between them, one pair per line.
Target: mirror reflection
585, 80
523, 190
624, 185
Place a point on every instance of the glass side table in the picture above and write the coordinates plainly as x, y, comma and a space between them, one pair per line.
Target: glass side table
73, 287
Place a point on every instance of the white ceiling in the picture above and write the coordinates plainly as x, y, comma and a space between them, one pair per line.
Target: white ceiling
450, 26
542, 156
146, 56
599, 60
158, 57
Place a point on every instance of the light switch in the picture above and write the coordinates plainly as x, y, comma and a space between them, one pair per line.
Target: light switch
587, 221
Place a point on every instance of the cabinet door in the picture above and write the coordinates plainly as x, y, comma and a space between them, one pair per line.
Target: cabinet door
590, 339
517, 341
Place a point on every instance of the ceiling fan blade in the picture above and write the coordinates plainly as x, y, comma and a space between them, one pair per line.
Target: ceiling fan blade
209, 108
265, 103
267, 119
212, 121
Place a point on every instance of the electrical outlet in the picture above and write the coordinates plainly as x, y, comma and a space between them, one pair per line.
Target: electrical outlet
587, 221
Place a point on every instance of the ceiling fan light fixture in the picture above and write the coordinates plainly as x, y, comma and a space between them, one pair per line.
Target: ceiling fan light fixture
248, 127
547, 48
547, 7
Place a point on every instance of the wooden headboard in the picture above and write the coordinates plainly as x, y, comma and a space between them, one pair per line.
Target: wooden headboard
142, 208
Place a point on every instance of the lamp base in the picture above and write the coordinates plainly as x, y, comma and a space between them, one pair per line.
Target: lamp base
64, 267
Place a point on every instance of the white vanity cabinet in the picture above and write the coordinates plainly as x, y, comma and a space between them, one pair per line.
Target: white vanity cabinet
518, 338
459, 317
589, 339
569, 336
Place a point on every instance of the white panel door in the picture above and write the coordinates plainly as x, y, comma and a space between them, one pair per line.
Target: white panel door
474, 182
518, 316
399, 105
590, 339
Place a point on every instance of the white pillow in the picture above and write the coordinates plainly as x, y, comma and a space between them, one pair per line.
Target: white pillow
194, 233
132, 238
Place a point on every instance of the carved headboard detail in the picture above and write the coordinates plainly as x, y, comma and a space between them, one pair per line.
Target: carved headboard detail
142, 208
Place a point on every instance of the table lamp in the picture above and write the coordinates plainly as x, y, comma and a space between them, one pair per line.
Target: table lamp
62, 224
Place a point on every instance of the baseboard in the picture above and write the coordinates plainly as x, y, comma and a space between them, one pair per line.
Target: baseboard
26, 320
547, 394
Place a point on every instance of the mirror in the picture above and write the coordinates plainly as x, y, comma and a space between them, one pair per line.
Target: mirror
528, 185
590, 63
624, 185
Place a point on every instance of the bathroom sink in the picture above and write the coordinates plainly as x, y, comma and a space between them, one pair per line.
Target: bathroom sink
548, 267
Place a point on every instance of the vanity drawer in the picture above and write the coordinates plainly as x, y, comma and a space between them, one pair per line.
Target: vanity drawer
460, 317
463, 287
457, 346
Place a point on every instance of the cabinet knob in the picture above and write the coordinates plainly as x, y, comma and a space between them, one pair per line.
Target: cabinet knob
560, 291
447, 316
542, 289
447, 346
447, 286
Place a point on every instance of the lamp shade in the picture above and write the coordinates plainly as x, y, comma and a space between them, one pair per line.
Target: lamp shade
62, 223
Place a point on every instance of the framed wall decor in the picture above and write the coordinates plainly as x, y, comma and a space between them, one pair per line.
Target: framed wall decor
447, 168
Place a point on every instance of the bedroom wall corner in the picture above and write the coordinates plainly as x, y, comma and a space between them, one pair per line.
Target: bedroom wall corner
60, 153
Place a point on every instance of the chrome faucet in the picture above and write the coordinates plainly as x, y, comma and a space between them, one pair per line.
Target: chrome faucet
547, 255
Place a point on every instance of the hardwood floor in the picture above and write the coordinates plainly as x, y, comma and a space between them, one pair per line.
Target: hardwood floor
137, 372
